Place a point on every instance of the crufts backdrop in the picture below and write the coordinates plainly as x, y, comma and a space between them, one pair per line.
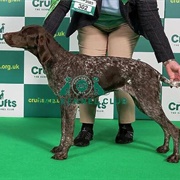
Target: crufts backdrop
23, 85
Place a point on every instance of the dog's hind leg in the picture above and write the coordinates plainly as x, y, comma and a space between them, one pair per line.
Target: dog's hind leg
68, 113
165, 147
169, 131
149, 101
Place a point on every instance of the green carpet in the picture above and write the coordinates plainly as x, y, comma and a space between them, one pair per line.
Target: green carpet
25, 145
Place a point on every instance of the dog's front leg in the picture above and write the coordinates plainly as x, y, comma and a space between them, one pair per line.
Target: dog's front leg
68, 113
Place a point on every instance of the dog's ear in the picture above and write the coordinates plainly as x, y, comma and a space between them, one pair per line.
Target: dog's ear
43, 49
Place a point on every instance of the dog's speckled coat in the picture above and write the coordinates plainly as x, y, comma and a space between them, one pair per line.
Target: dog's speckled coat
137, 78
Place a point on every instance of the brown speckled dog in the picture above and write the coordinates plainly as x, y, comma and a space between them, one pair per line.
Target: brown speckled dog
63, 68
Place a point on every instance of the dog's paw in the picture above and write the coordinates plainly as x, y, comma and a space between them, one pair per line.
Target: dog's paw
57, 149
162, 149
173, 158
60, 156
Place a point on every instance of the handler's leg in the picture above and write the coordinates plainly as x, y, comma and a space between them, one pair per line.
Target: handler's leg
92, 42
121, 43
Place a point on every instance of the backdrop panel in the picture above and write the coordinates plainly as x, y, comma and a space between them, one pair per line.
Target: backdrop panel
23, 85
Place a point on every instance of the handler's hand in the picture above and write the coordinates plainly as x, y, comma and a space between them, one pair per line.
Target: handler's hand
173, 70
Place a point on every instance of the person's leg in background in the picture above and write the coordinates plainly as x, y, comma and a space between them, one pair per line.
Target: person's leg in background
97, 43
121, 43
92, 42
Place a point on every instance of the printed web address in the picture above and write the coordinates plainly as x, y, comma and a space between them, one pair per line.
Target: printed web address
9, 67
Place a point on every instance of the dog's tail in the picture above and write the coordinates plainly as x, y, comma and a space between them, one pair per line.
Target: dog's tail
167, 81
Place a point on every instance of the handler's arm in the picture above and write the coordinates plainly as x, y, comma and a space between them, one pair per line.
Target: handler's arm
153, 29
54, 19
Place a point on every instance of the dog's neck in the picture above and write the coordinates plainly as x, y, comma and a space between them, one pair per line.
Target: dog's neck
52, 54
49, 52
58, 52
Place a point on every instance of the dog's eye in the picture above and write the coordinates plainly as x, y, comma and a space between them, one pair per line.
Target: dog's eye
37, 39
23, 32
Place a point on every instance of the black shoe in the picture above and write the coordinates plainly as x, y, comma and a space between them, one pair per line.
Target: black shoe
124, 135
84, 137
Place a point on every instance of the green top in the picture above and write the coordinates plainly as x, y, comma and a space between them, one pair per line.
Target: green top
110, 16
108, 23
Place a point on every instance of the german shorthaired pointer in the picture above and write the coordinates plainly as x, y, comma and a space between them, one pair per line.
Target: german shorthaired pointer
72, 77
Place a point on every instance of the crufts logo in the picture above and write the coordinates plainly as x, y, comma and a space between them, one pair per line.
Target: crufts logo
174, 108
6, 103
1, 31
176, 39
41, 3
38, 72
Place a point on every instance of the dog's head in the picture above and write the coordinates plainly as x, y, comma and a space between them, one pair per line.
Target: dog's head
33, 38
